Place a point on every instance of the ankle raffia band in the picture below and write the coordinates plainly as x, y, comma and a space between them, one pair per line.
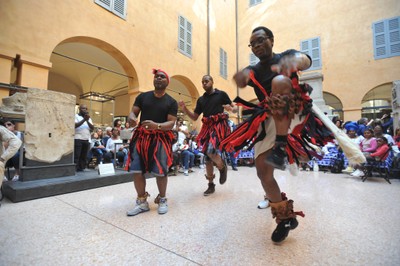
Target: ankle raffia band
143, 198
157, 199
284, 209
210, 177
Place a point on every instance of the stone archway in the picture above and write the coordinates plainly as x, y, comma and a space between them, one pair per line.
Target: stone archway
182, 89
84, 64
334, 104
376, 100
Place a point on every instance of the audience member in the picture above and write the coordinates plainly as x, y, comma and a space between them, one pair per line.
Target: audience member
113, 149
187, 158
107, 135
368, 145
14, 161
9, 146
97, 148
378, 132
83, 126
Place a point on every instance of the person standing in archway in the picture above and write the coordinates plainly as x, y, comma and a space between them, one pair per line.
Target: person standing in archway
83, 126
151, 143
214, 129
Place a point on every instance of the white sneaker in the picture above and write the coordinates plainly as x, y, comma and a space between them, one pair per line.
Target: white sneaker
15, 178
349, 169
141, 206
5, 179
201, 166
293, 169
162, 206
186, 172
356, 173
263, 204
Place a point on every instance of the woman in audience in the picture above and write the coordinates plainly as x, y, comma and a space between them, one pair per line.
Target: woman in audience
115, 145
368, 145
351, 129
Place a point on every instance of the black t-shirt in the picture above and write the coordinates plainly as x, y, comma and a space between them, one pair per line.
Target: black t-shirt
264, 74
154, 108
211, 104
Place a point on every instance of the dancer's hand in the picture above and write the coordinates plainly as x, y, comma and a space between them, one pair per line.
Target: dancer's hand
241, 78
291, 63
182, 104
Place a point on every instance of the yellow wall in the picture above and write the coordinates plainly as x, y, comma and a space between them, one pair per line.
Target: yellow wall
345, 31
148, 38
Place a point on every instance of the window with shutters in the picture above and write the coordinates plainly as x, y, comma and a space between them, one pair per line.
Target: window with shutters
386, 35
223, 63
185, 36
312, 47
253, 59
118, 7
254, 2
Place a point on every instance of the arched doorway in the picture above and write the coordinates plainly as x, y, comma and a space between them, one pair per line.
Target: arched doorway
83, 65
376, 101
182, 88
334, 104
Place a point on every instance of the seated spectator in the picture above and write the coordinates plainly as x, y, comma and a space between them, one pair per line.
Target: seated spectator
381, 153
195, 149
176, 155
120, 151
107, 135
118, 124
14, 161
351, 129
368, 145
187, 158
378, 133
97, 148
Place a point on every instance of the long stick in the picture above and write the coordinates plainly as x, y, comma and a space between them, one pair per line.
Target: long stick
350, 149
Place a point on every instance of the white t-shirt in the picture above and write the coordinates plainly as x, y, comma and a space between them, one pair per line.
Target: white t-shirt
83, 131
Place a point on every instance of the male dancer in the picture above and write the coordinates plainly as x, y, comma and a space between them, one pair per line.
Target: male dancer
272, 73
214, 129
151, 144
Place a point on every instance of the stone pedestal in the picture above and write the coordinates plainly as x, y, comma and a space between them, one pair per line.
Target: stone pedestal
315, 81
49, 132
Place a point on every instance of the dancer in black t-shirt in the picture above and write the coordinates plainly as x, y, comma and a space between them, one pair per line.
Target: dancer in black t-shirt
151, 144
273, 82
214, 129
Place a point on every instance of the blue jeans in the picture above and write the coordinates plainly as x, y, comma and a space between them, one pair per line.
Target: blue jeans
99, 154
187, 159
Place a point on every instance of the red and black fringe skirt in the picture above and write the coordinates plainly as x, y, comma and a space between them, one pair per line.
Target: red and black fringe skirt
148, 143
215, 128
311, 130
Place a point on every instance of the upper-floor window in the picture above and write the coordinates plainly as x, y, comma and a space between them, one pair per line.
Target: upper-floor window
386, 34
118, 7
253, 59
185, 36
254, 2
223, 63
313, 49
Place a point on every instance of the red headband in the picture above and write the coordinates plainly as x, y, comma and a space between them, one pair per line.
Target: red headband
162, 71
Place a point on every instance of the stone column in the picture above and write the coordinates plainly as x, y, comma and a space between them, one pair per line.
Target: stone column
315, 81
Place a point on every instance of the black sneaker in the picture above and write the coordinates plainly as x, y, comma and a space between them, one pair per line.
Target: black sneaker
234, 168
277, 157
223, 173
210, 190
283, 228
